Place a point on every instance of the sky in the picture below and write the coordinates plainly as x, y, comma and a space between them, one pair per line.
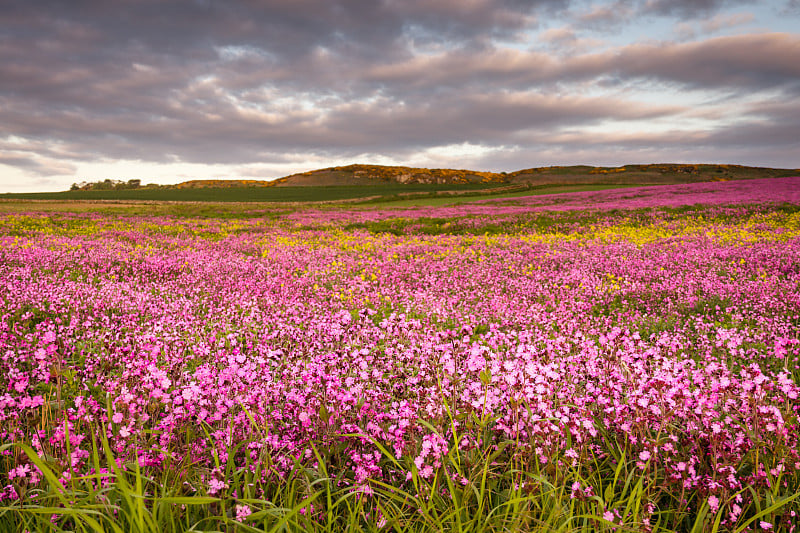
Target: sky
167, 91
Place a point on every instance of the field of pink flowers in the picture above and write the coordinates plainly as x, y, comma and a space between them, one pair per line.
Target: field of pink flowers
573, 347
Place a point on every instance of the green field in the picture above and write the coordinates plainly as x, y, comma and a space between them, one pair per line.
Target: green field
247, 194
324, 197
440, 199
199, 202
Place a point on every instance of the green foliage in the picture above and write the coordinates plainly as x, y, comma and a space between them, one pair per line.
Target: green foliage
107, 185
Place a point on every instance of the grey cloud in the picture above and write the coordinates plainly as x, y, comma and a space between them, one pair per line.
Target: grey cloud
615, 14
227, 134
130, 55
84, 77
773, 123
791, 8
687, 9
200, 123
689, 30
455, 68
19, 161
289, 29
750, 138
726, 21
751, 142
754, 61
36, 165
606, 16
542, 155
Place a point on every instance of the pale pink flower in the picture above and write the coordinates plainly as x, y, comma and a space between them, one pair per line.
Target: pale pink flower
713, 503
242, 512
215, 485
427, 471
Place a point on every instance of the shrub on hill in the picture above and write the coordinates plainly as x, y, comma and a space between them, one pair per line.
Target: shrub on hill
107, 185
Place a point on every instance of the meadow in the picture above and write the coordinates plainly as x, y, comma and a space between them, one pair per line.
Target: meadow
622, 360
255, 194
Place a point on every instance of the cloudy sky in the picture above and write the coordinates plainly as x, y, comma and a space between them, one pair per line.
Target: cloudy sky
167, 91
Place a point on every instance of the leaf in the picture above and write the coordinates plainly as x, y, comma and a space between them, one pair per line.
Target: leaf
324, 415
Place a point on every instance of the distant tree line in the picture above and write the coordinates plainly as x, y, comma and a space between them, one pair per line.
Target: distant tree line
107, 185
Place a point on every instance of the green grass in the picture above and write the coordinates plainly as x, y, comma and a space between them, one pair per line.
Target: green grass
468, 493
477, 196
222, 210
231, 205
246, 194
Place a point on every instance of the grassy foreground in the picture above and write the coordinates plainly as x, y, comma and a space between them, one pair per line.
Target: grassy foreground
471, 493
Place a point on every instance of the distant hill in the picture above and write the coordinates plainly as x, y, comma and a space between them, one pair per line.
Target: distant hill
655, 174
379, 174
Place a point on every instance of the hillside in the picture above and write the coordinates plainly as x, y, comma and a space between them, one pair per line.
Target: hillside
655, 174
378, 174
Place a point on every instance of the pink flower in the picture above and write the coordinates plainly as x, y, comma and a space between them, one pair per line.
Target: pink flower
20, 472
644, 456
215, 485
713, 503
117, 418
608, 515
765, 525
427, 471
242, 512
9, 492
